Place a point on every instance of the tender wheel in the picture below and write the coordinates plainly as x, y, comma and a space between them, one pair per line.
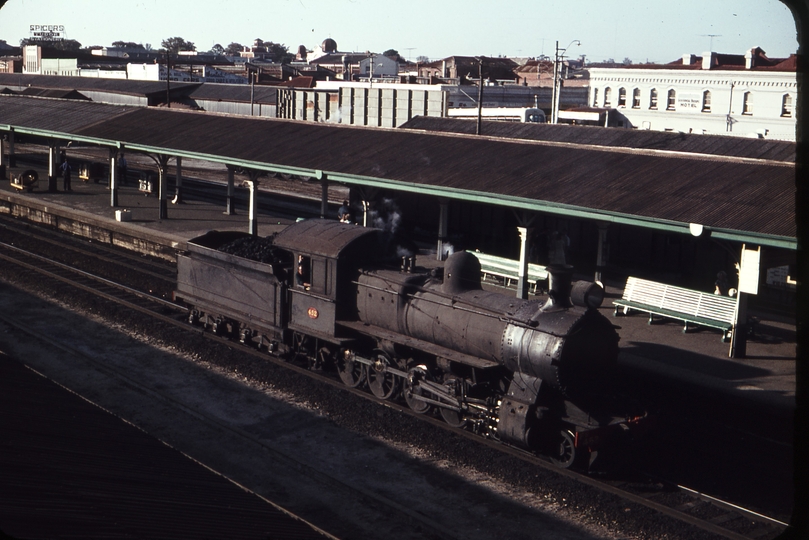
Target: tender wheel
219, 326
193, 317
456, 388
412, 389
323, 358
563, 450
351, 372
381, 381
300, 347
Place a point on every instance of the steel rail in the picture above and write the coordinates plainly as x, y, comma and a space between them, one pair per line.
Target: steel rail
319, 475
527, 457
89, 253
87, 275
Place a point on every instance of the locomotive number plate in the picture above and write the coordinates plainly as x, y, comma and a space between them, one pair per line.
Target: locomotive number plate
313, 313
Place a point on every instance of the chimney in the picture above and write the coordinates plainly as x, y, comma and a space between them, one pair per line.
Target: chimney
559, 281
689, 59
750, 59
707, 60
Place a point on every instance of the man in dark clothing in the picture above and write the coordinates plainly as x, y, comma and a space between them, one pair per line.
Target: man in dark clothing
122, 170
344, 213
66, 175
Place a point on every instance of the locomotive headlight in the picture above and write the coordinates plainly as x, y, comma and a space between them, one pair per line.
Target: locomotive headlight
587, 294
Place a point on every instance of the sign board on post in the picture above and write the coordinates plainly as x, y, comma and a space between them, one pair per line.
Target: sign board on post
749, 270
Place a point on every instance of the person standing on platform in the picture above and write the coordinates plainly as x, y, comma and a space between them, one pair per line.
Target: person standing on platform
66, 175
122, 170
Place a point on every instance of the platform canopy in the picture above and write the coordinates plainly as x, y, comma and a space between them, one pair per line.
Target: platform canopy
736, 198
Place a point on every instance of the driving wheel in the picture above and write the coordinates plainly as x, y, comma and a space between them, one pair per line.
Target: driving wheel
351, 372
412, 389
381, 381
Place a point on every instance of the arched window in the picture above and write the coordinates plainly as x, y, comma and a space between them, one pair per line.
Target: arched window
636, 98
595, 97
786, 106
706, 101
622, 97
747, 103
607, 96
672, 101
653, 99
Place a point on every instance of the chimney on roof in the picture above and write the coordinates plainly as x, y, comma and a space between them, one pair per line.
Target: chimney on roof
689, 59
751, 56
707, 60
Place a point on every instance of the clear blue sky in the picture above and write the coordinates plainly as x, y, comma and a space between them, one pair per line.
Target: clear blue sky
653, 30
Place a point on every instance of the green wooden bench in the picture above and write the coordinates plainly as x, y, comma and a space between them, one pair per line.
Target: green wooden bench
507, 270
687, 305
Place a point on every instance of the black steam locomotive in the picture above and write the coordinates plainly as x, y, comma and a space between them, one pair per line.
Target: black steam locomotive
531, 374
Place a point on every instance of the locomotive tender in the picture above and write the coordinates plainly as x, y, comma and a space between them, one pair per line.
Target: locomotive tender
531, 374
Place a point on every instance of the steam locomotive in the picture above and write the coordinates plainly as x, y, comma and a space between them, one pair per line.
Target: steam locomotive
532, 374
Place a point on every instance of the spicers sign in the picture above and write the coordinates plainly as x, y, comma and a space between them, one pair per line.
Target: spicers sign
52, 32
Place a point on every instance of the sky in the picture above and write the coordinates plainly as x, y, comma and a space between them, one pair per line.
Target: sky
648, 30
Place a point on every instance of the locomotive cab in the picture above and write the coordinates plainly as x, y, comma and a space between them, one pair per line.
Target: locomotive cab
326, 252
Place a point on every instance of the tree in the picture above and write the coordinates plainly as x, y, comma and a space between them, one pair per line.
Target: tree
422, 59
63, 45
279, 51
218, 49
393, 54
177, 44
128, 45
234, 49
627, 61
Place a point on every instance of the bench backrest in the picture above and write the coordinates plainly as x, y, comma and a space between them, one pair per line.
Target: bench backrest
509, 267
681, 300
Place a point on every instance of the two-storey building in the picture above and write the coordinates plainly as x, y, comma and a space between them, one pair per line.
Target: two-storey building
743, 95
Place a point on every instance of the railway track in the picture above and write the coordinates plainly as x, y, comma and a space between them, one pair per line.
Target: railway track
695, 509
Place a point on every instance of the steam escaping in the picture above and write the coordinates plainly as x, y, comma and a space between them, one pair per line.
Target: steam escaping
386, 216
402, 251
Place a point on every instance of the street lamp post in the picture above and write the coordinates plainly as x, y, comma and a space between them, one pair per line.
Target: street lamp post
557, 82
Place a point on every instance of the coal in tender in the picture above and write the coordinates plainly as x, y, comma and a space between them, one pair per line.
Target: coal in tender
254, 248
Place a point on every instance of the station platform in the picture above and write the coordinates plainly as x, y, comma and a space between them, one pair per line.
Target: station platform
766, 376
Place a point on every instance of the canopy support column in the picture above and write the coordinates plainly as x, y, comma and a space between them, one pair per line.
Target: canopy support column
113, 162
443, 226
178, 182
52, 165
522, 270
324, 197
252, 223
12, 157
603, 252
229, 209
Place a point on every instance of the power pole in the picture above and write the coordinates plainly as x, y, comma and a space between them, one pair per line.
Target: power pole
480, 95
555, 93
168, 79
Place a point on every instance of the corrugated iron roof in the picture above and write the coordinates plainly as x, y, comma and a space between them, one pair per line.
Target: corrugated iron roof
52, 114
234, 92
72, 470
597, 182
17, 81
719, 145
